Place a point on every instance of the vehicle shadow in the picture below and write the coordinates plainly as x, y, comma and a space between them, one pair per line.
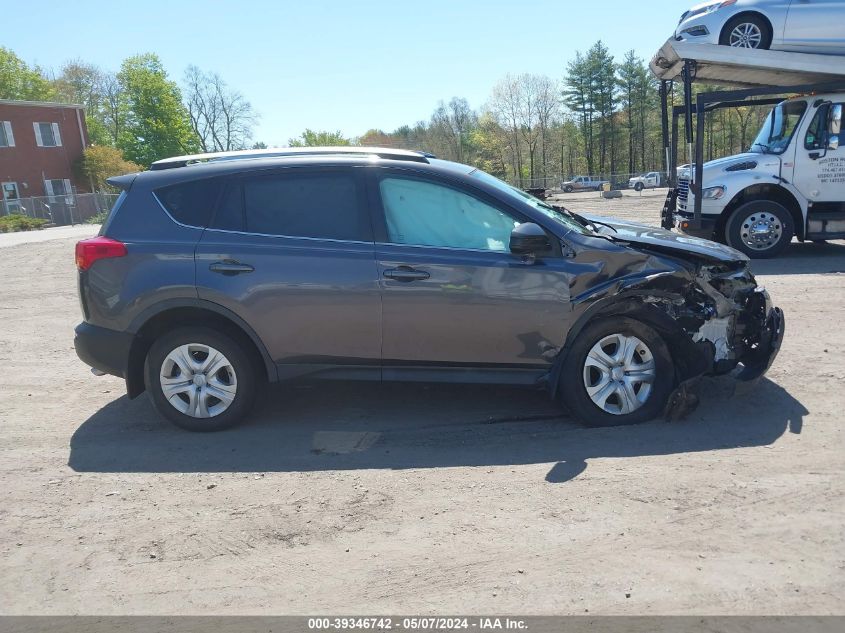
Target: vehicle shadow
804, 259
344, 426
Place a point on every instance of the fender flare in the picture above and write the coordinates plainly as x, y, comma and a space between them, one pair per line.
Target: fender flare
154, 310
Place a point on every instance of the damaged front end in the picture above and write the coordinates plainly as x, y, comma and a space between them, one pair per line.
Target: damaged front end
723, 322
743, 327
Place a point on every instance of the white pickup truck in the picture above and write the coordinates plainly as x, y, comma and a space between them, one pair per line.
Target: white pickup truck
651, 180
791, 182
583, 183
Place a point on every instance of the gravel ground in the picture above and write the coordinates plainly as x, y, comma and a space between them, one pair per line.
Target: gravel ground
365, 498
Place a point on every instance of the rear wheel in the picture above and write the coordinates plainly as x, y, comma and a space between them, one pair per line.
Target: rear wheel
760, 228
619, 371
200, 379
747, 31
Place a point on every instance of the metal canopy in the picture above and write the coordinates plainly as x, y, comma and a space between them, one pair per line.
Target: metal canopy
745, 67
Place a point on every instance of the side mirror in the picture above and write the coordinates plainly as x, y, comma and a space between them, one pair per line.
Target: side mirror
529, 239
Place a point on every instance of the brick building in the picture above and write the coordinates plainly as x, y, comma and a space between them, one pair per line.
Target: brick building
39, 143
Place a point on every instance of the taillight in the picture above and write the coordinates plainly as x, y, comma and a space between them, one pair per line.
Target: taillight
90, 250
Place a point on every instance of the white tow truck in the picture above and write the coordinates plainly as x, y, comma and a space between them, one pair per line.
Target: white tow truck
791, 180
651, 180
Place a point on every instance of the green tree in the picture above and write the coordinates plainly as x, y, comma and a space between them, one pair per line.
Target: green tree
21, 81
83, 83
312, 138
156, 123
99, 162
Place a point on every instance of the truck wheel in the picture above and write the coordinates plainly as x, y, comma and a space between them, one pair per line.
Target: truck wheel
639, 186
567, 189
200, 379
760, 228
747, 31
619, 371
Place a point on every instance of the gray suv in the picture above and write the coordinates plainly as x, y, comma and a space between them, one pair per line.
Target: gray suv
217, 274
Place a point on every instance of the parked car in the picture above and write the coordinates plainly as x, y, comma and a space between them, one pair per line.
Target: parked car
651, 180
217, 274
583, 183
786, 25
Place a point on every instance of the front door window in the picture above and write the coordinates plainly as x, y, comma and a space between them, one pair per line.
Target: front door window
420, 213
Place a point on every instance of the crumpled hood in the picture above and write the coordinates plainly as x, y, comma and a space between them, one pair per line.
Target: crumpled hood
651, 236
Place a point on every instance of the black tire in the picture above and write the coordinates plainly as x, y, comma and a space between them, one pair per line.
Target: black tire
639, 186
739, 223
749, 18
247, 387
567, 189
572, 388
819, 241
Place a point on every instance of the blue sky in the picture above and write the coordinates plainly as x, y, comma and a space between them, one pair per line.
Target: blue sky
348, 65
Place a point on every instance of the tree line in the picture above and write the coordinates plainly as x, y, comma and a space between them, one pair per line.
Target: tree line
601, 118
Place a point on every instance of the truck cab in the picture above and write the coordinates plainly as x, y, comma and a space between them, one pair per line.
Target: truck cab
790, 182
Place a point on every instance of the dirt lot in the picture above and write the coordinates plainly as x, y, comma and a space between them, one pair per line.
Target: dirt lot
362, 498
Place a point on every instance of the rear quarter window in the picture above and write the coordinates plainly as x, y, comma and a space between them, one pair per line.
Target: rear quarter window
190, 203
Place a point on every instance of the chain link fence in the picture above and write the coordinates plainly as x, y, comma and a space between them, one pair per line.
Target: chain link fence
63, 210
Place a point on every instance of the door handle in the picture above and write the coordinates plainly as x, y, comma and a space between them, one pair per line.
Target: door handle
405, 274
230, 267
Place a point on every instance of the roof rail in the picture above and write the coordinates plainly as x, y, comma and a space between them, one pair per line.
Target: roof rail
381, 152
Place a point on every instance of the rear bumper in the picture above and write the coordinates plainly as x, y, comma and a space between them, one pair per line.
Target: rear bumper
103, 349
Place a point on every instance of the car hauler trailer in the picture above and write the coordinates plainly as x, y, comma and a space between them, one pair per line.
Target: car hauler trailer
791, 181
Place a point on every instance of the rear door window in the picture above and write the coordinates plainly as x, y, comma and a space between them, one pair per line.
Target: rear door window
190, 203
318, 205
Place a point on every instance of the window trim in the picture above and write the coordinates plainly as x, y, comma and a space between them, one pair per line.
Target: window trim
357, 176
8, 133
54, 127
380, 219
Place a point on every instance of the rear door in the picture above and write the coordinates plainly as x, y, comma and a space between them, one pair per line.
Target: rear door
453, 295
291, 252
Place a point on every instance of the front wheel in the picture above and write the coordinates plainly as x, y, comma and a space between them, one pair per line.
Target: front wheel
760, 228
747, 31
619, 371
639, 186
200, 379
567, 189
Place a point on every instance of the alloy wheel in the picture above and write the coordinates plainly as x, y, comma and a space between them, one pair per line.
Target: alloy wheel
746, 35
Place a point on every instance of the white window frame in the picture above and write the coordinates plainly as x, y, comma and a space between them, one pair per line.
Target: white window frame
10, 137
10, 205
57, 136
54, 197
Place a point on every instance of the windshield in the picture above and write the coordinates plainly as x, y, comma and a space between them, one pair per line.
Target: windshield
778, 128
560, 217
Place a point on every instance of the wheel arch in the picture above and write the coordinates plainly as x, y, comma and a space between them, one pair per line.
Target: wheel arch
747, 14
182, 312
687, 357
757, 192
